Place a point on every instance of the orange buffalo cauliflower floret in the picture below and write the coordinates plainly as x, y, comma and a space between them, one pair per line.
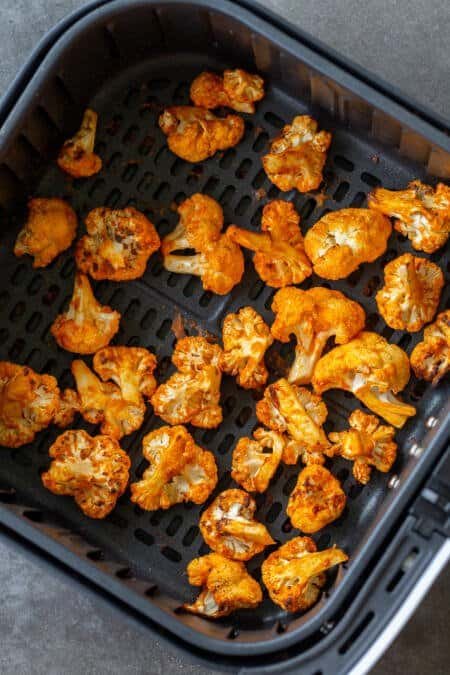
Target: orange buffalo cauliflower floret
430, 359
227, 586
117, 245
410, 295
87, 325
313, 317
103, 403
295, 573
246, 338
77, 157
229, 528
179, 471
279, 257
28, 403
218, 261
50, 229
69, 406
367, 443
341, 240
421, 213
194, 134
131, 368
297, 157
192, 394
299, 414
237, 89
94, 470
373, 370
255, 461
316, 500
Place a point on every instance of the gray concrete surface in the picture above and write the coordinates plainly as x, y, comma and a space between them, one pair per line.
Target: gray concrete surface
49, 628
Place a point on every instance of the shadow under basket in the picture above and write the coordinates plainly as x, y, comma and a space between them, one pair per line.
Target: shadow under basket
127, 60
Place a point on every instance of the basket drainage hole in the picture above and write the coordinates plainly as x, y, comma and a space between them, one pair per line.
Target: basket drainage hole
273, 512
344, 163
34, 515
96, 555
188, 538
144, 537
282, 627
174, 525
51, 295
343, 649
225, 444
244, 416
125, 573
171, 554
234, 633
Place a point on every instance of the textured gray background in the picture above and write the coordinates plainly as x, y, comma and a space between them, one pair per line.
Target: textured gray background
49, 628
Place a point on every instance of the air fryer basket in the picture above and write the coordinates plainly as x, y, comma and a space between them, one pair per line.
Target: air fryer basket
128, 60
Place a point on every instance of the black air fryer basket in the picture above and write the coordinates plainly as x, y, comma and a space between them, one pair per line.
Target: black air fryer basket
127, 60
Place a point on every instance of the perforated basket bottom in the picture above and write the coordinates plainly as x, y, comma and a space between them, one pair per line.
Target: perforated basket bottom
140, 171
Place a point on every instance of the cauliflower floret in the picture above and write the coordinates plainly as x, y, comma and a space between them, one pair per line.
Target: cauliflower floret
192, 395
367, 443
313, 316
28, 403
422, 213
373, 370
294, 573
117, 245
300, 414
218, 261
341, 240
179, 471
279, 257
246, 338
297, 157
87, 325
77, 157
69, 406
410, 295
229, 528
131, 368
316, 500
103, 403
430, 359
94, 470
255, 461
237, 89
194, 134
50, 229
227, 586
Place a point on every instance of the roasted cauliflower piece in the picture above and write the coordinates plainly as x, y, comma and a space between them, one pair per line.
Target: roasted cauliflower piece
295, 573
93, 470
218, 261
227, 586
229, 528
373, 370
297, 157
192, 395
279, 257
69, 406
131, 368
313, 317
194, 134
103, 403
255, 461
50, 229
367, 443
28, 403
410, 295
77, 156
421, 213
341, 241
179, 471
117, 245
246, 338
299, 414
87, 325
430, 359
236, 89
317, 499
